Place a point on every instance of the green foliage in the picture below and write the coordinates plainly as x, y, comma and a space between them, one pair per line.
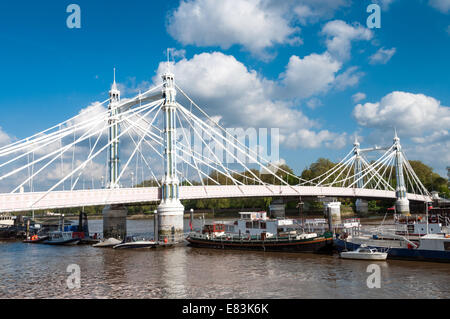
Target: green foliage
431, 180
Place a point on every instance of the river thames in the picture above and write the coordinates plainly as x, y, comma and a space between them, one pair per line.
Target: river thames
40, 271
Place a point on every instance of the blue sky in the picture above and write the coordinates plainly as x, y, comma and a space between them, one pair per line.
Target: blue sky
49, 72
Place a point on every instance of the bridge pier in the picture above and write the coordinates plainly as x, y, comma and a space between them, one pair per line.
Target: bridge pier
333, 211
170, 221
362, 206
115, 221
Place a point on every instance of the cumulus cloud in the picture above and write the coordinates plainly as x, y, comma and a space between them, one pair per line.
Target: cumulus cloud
441, 5
311, 11
340, 36
243, 98
414, 115
382, 56
254, 24
308, 76
422, 122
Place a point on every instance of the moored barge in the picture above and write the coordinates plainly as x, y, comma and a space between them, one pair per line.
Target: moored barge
254, 231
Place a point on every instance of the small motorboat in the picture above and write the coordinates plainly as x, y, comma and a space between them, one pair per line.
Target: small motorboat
61, 238
365, 253
110, 242
35, 239
133, 242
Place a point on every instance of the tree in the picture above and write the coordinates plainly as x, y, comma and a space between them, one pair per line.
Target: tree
318, 168
431, 180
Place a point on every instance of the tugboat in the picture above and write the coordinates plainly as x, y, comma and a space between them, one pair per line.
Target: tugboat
254, 231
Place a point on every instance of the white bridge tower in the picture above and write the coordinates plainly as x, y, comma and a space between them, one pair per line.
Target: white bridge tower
170, 211
402, 203
114, 216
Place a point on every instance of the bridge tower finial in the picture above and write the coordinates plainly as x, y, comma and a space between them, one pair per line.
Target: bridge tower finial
402, 202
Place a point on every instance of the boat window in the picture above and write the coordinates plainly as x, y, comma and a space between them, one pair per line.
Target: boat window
248, 224
263, 225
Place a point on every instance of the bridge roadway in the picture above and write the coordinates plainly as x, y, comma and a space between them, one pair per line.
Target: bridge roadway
18, 202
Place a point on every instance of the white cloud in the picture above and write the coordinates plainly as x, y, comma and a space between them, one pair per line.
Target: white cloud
357, 97
254, 24
5, 139
414, 115
382, 56
243, 98
441, 5
310, 139
314, 103
348, 78
385, 4
308, 76
340, 35
310, 11
423, 125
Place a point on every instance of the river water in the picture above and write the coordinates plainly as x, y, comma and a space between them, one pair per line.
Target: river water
40, 271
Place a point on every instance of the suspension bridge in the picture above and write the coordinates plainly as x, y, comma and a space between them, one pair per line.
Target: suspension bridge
65, 166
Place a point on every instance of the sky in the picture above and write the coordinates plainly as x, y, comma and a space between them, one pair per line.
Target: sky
311, 68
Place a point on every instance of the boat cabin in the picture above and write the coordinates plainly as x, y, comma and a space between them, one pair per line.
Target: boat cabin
257, 223
417, 225
214, 229
7, 220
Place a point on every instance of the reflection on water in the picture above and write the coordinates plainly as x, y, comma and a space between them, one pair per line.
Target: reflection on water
39, 271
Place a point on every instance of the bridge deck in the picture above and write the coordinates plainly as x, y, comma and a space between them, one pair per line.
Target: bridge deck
67, 199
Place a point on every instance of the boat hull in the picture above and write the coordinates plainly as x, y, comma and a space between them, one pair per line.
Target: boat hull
400, 253
36, 241
316, 245
136, 245
351, 255
69, 242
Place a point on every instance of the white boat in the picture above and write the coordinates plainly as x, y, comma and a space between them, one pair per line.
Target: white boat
365, 253
110, 242
133, 242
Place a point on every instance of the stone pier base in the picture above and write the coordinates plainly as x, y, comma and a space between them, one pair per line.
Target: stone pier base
402, 207
115, 222
362, 207
170, 221
333, 211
